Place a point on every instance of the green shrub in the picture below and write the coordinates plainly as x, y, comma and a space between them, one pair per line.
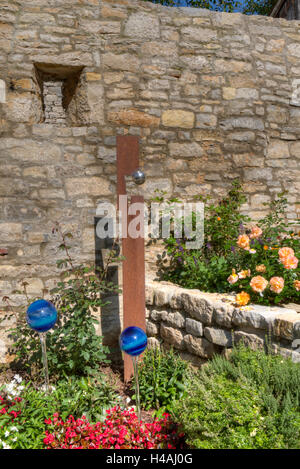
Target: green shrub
218, 413
73, 346
162, 376
278, 380
71, 396
249, 401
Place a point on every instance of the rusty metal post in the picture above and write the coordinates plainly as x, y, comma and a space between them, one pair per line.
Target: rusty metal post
133, 250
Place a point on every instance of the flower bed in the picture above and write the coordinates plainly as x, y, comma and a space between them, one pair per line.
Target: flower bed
120, 430
258, 261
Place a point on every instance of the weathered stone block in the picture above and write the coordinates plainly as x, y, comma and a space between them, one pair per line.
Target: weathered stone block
133, 117
151, 328
218, 336
173, 336
197, 306
96, 186
193, 327
199, 346
175, 319
188, 150
250, 340
142, 25
178, 118
285, 322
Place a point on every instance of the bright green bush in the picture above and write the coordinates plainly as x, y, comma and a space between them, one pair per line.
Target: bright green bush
279, 382
218, 413
250, 401
72, 396
162, 375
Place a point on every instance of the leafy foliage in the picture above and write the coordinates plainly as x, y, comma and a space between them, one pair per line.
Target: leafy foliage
73, 346
161, 377
120, 430
209, 268
248, 402
83, 396
279, 382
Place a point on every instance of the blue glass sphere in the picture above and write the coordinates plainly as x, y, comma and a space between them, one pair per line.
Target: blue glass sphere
41, 315
133, 341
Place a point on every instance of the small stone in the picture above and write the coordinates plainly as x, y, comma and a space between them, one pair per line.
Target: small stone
133, 117
199, 346
178, 118
141, 25
193, 327
218, 336
151, 328
175, 320
172, 336
250, 340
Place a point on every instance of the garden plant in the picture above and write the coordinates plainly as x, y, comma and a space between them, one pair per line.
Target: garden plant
258, 261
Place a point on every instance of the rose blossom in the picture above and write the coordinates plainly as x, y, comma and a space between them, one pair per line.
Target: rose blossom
297, 285
233, 278
285, 252
243, 241
290, 262
256, 232
258, 284
260, 268
244, 273
276, 284
242, 298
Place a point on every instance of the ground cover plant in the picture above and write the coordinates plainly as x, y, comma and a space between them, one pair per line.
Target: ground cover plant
250, 401
257, 261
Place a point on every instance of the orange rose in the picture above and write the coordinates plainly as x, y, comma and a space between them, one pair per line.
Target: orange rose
285, 252
243, 241
256, 232
276, 284
244, 273
233, 278
242, 298
261, 268
258, 284
297, 285
290, 262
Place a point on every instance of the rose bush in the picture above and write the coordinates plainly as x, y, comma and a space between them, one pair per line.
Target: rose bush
256, 261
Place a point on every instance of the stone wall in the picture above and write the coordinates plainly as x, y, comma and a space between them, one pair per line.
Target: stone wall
211, 96
200, 325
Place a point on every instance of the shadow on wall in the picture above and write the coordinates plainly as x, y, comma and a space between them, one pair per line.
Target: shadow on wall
110, 320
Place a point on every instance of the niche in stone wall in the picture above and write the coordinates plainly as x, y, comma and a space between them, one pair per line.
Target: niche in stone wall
63, 94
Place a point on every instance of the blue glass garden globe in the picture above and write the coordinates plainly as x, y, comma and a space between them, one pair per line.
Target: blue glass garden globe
41, 315
133, 341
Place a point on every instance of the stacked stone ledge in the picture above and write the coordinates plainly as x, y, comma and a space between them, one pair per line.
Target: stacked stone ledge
200, 325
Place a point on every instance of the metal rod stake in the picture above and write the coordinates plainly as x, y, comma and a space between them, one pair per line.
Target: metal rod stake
45, 361
137, 388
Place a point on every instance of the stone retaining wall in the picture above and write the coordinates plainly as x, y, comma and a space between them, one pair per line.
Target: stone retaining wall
200, 325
